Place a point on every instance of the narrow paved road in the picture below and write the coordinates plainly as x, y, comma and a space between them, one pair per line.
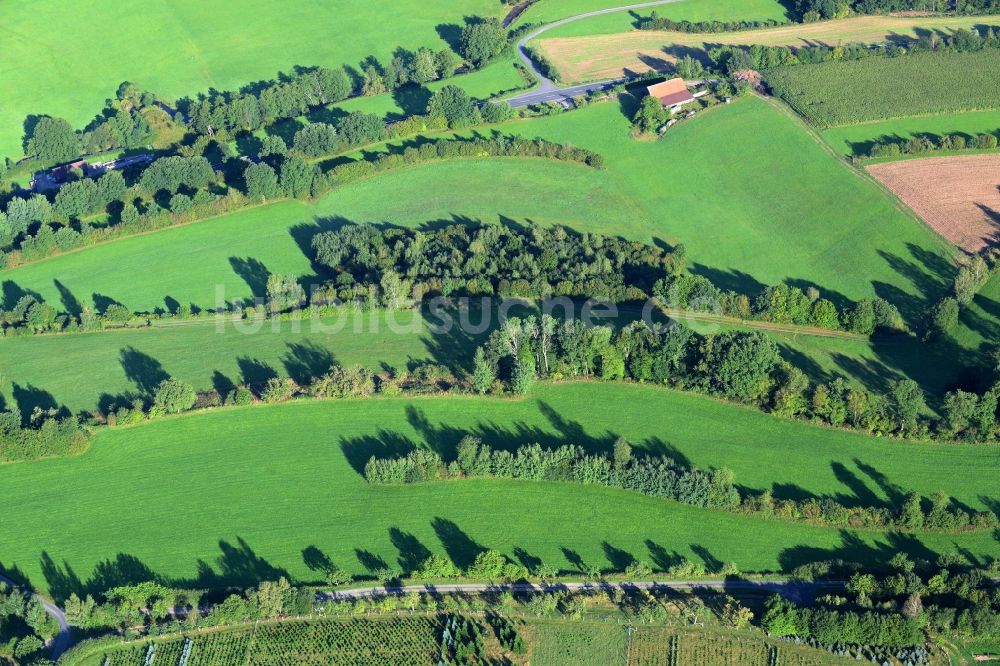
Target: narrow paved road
793, 590
64, 638
547, 90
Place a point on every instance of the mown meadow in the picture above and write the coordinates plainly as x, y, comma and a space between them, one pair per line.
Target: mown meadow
185, 47
236, 495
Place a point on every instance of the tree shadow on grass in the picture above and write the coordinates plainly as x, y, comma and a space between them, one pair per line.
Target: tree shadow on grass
142, 370
255, 372
852, 548
29, 398
253, 272
305, 361
412, 553
13, 292
461, 548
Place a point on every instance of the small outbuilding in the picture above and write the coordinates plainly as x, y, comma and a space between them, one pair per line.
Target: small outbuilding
673, 94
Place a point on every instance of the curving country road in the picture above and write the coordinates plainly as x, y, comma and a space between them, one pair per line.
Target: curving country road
547, 90
64, 638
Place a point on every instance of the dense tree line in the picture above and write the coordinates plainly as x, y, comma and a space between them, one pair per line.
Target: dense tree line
658, 477
730, 59
928, 143
894, 607
815, 10
538, 263
258, 106
179, 188
25, 626
656, 22
741, 366
491, 259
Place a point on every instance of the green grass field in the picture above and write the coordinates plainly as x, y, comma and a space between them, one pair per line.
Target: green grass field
547, 11
923, 83
233, 495
132, 361
980, 323
858, 139
773, 206
183, 47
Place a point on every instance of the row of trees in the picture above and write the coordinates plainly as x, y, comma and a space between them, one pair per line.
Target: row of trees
729, 59
661, 477
656, 22
929, 143
814, 10
148, 603
258, 106
741, 366
53, 140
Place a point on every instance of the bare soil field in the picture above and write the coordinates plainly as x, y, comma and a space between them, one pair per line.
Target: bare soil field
610, 56
959, 197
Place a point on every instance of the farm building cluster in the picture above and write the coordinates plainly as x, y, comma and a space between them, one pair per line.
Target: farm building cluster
57, 176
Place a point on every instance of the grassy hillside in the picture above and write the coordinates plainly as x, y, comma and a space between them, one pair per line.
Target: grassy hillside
772, 206
858, 139
847, 92
64, 59
238, 494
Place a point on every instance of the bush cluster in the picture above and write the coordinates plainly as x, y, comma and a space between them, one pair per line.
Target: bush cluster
929, 143
49, 433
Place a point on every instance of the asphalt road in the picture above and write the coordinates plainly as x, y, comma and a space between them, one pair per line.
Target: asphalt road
547, 90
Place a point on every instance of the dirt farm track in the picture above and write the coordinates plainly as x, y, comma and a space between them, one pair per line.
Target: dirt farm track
958, 196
